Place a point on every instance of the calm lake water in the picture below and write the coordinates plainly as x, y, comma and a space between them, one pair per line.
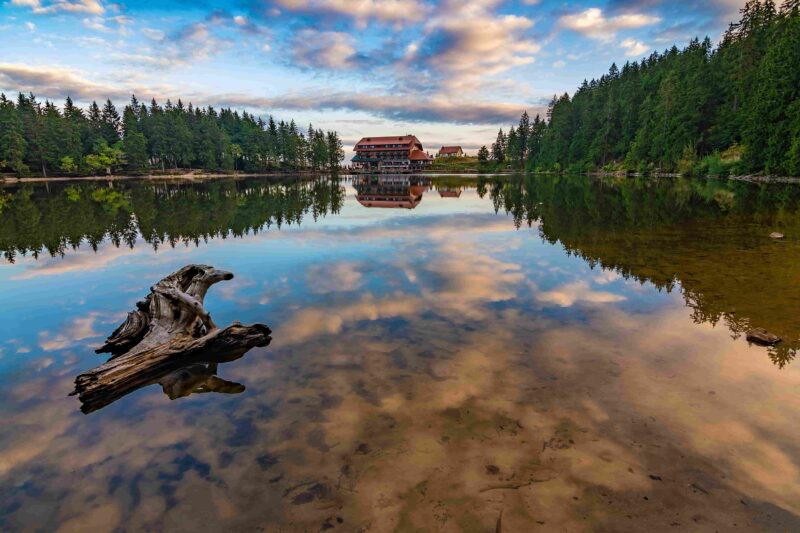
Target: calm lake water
566, 351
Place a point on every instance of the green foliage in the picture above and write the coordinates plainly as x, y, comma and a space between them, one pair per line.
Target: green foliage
5, 199
12, 139
456, 164
105, 158
73, 193
711, 165
678, 107
67, 165
688, 161
154, 137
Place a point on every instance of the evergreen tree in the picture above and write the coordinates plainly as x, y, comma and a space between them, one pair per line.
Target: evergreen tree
12, 138
335, 151
134, 145
499, 147
110, 123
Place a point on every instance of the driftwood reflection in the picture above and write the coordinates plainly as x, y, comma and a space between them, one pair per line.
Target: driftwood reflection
181, 378
170, 339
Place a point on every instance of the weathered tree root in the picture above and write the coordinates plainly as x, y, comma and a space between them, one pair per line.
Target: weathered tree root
169, 339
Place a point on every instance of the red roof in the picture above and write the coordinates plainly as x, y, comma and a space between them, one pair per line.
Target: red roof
409, 140
419, 155
450, 150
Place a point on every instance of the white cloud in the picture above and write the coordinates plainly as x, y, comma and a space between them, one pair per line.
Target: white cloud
579, 291
96, 23
593, 23
559, 64
30, 25
387, 11
79, 329
325, 49
92, 7
634, 48
341, 277
155, 35
466, 41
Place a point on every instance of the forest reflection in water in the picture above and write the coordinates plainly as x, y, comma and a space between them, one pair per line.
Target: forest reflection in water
708, 238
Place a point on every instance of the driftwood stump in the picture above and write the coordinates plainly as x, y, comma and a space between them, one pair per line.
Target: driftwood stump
169, 339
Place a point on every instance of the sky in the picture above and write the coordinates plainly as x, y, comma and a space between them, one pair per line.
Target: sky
450, 72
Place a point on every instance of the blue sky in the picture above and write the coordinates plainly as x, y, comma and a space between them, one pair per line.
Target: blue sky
450, 72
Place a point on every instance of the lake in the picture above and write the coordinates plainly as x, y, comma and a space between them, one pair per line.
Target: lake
448, 354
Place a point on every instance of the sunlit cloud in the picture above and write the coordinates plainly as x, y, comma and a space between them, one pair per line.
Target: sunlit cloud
634, 48
595, 24
569, 294
341, 277
77, 330
40, 7
385, 11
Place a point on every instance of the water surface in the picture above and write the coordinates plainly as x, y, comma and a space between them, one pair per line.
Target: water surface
566, 350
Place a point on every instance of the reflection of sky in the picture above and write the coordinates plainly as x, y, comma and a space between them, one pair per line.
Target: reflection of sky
385, 317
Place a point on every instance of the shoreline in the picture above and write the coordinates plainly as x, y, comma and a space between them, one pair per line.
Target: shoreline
194, 176
188, 176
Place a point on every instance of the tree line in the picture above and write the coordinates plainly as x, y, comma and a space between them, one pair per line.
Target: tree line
701, 110
42, 139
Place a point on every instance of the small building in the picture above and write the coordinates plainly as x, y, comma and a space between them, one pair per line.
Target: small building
451, 151
400, 154
398, 192
450, 192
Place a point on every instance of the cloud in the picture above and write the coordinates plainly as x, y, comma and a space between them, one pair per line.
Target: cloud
436, 108
341, 277
323, 49
397, 12
465, 42
55, 81
201, 40
30, 25
92, 7
579, 291
85, 260
195, 41
634, 48
593, 23
155, 35
78, 329
149, 60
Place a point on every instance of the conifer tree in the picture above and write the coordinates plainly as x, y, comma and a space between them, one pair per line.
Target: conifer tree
12, 138
110, 123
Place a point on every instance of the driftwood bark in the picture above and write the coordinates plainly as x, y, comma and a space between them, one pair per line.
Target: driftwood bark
169, 339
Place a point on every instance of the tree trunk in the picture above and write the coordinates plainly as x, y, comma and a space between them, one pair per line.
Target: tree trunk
168, 331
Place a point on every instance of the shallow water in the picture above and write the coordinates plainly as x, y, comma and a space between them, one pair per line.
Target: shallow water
567, 351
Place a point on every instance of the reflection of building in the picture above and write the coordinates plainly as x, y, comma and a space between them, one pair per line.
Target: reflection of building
390, 154
450, 192
401, 192
451, 151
